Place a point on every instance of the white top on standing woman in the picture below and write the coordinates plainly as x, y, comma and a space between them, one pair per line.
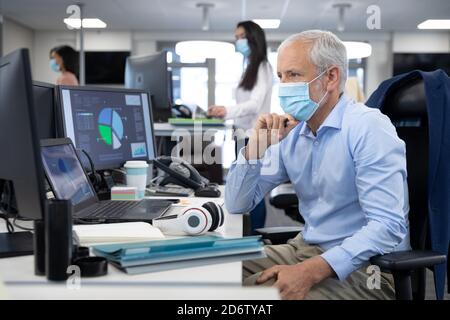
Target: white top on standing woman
253, 95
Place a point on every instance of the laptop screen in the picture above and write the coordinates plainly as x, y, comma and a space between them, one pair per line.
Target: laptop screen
66, 175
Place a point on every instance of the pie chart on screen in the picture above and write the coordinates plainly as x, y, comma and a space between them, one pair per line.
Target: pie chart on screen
110, 127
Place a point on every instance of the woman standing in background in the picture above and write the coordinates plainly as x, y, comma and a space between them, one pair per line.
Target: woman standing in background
64, 59
254, 92
253, 95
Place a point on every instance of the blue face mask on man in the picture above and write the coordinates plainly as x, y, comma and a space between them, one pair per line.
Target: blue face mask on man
295, 100
54, 66
243, 47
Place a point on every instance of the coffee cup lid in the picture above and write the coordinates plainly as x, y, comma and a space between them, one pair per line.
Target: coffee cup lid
136, 164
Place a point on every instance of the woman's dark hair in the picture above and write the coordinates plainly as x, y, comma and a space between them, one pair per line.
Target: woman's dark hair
69, 57
258, 47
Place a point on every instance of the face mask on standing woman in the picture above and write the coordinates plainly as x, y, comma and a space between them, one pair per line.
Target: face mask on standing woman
243, 47
54, 66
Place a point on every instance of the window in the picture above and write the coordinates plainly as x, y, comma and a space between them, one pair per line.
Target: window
190, 82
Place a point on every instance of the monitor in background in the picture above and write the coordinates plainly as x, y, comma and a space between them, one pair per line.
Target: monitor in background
111, 125
21, 171
105, 67
405, 62
44, 102
151, 74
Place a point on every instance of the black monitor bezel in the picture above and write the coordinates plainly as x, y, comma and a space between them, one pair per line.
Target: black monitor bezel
23, 55
57, 117
60, 88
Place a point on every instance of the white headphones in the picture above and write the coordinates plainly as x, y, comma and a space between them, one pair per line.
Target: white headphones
192, 221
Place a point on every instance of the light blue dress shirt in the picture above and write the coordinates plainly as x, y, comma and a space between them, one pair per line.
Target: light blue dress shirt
350, 179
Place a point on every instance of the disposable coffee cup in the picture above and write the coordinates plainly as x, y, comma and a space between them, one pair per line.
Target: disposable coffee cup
136, 176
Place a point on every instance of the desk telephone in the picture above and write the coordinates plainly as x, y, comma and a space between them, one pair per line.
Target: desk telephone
182, 173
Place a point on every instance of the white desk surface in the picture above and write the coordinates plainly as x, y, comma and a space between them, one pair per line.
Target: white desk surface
140, 292
191, 283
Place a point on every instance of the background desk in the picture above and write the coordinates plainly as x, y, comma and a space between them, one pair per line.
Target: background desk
219, 281
169, 137
166, 129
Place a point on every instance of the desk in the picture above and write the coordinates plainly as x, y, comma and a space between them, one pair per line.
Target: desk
166, 129
190, 283
190, 142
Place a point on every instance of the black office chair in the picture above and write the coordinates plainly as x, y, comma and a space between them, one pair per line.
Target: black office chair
284, 197
406, 107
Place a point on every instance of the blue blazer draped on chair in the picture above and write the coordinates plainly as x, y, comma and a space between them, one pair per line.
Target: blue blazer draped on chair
437, 91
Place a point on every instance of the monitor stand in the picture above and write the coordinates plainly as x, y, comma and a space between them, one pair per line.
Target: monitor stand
16, 244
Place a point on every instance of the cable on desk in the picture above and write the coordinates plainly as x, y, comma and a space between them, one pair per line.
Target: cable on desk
9, 225
6, 200
15, 219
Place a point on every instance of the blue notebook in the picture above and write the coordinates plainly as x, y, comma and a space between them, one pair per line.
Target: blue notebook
139, 269
164, 252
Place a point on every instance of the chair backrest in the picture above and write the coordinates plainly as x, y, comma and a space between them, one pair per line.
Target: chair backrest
406, 107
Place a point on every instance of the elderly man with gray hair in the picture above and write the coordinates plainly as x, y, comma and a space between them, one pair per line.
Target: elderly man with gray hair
348, 168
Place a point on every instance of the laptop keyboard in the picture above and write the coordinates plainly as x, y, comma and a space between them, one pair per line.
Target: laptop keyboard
113, 209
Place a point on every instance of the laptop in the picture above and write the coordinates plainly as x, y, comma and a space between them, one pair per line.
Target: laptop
68, 180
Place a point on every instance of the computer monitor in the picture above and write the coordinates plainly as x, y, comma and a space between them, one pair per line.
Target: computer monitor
20, 158
111, 125
44, 102
151, 74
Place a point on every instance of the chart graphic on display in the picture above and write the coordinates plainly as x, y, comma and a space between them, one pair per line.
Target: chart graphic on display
110, 127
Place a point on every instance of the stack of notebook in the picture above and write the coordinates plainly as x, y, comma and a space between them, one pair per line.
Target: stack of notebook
108, 233
162, 255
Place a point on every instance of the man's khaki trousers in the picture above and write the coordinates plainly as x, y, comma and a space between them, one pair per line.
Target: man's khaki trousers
356, 286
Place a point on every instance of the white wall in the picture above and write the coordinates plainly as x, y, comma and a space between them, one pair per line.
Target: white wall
379, 65
143, 44
106, 41
16, 36
421, 42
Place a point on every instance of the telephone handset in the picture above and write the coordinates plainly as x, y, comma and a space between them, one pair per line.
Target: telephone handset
180, 172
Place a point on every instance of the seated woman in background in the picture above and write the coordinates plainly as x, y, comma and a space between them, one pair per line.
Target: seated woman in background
64, 59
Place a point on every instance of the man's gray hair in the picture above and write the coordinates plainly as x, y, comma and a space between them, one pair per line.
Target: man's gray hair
327, 50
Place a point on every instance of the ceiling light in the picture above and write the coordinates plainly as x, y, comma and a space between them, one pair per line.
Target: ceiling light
94, 23
435, 24
357, 50
268, 23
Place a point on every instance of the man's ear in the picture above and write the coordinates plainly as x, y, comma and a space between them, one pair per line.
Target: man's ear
334, 76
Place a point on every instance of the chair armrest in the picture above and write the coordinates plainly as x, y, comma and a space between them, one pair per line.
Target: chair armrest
408, 260
283, 197
279, 235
